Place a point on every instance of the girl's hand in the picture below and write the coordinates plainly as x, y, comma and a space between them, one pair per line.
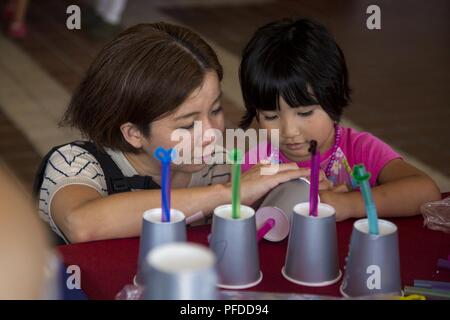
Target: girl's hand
324, 183
254, 185
339, 201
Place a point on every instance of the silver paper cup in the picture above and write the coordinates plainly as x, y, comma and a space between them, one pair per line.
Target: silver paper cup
181, 271
279, 203
312, 253
373, 264
234, 243
154, 233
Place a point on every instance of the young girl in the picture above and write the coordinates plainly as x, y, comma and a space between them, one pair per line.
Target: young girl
294, 78
151, 80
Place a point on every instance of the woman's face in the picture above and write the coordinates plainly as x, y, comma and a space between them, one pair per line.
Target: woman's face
297, 127
202, 105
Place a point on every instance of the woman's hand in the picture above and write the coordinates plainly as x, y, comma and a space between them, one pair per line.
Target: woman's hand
255, 185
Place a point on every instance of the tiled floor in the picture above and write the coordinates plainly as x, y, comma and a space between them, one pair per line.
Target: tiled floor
17, 153
400, 74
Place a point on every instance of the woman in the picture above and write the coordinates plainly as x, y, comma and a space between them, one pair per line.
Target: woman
151, 80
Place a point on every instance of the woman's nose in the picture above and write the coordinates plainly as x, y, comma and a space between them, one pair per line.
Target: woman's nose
208, 133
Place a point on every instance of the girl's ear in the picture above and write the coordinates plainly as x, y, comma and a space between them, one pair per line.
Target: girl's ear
132, 135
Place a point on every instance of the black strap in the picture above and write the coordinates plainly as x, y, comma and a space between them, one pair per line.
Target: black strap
116, 182
37, 183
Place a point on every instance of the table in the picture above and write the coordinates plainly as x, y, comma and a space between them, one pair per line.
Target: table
107, 266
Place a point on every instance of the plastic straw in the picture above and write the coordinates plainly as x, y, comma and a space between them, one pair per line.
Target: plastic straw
165, 156
443, 264
265, 228
314, 187
430, 293
440, 285
349, 171
411, 297
362, 179
236, 159
347, 166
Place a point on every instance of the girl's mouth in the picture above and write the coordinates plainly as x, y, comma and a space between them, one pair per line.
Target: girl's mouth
295, 146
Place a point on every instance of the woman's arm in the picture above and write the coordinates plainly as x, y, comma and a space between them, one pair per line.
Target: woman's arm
402, 189
82, 214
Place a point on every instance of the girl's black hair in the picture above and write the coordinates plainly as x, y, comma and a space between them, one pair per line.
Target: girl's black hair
297, 59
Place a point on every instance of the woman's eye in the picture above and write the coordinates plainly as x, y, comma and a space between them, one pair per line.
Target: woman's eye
305, 114
269, 118
217, 110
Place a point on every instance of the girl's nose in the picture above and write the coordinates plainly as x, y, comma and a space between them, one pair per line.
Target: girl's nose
289, 128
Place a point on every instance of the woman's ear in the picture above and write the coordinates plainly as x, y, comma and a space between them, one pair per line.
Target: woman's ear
132, 135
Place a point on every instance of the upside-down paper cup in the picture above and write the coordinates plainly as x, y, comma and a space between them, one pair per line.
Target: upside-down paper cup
235, 246
279, 204
373, 263
312, 253
155, 233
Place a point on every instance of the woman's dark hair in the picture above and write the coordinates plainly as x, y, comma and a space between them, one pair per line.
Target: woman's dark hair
139, 77
298, 60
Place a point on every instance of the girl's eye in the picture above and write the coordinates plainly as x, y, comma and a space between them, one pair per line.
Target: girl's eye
269, 118
305, 114
188, 127
217, 110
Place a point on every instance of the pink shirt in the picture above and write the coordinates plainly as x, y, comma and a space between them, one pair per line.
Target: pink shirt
354, 148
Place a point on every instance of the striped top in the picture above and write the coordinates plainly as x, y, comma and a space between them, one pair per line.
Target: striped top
71, 164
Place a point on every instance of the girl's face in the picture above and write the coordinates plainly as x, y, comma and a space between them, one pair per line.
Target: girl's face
202, 105
297, 127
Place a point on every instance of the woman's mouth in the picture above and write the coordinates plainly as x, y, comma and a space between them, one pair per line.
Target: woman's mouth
203, 158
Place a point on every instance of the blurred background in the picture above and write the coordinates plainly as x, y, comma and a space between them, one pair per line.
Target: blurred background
399, 75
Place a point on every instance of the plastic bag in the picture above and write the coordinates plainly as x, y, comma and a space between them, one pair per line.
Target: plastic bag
130, 292
437, 215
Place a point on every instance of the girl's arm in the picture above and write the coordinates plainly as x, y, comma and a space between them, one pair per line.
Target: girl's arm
82, 214
401, 191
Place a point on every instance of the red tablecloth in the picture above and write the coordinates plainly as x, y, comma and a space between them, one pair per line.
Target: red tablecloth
107, 266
